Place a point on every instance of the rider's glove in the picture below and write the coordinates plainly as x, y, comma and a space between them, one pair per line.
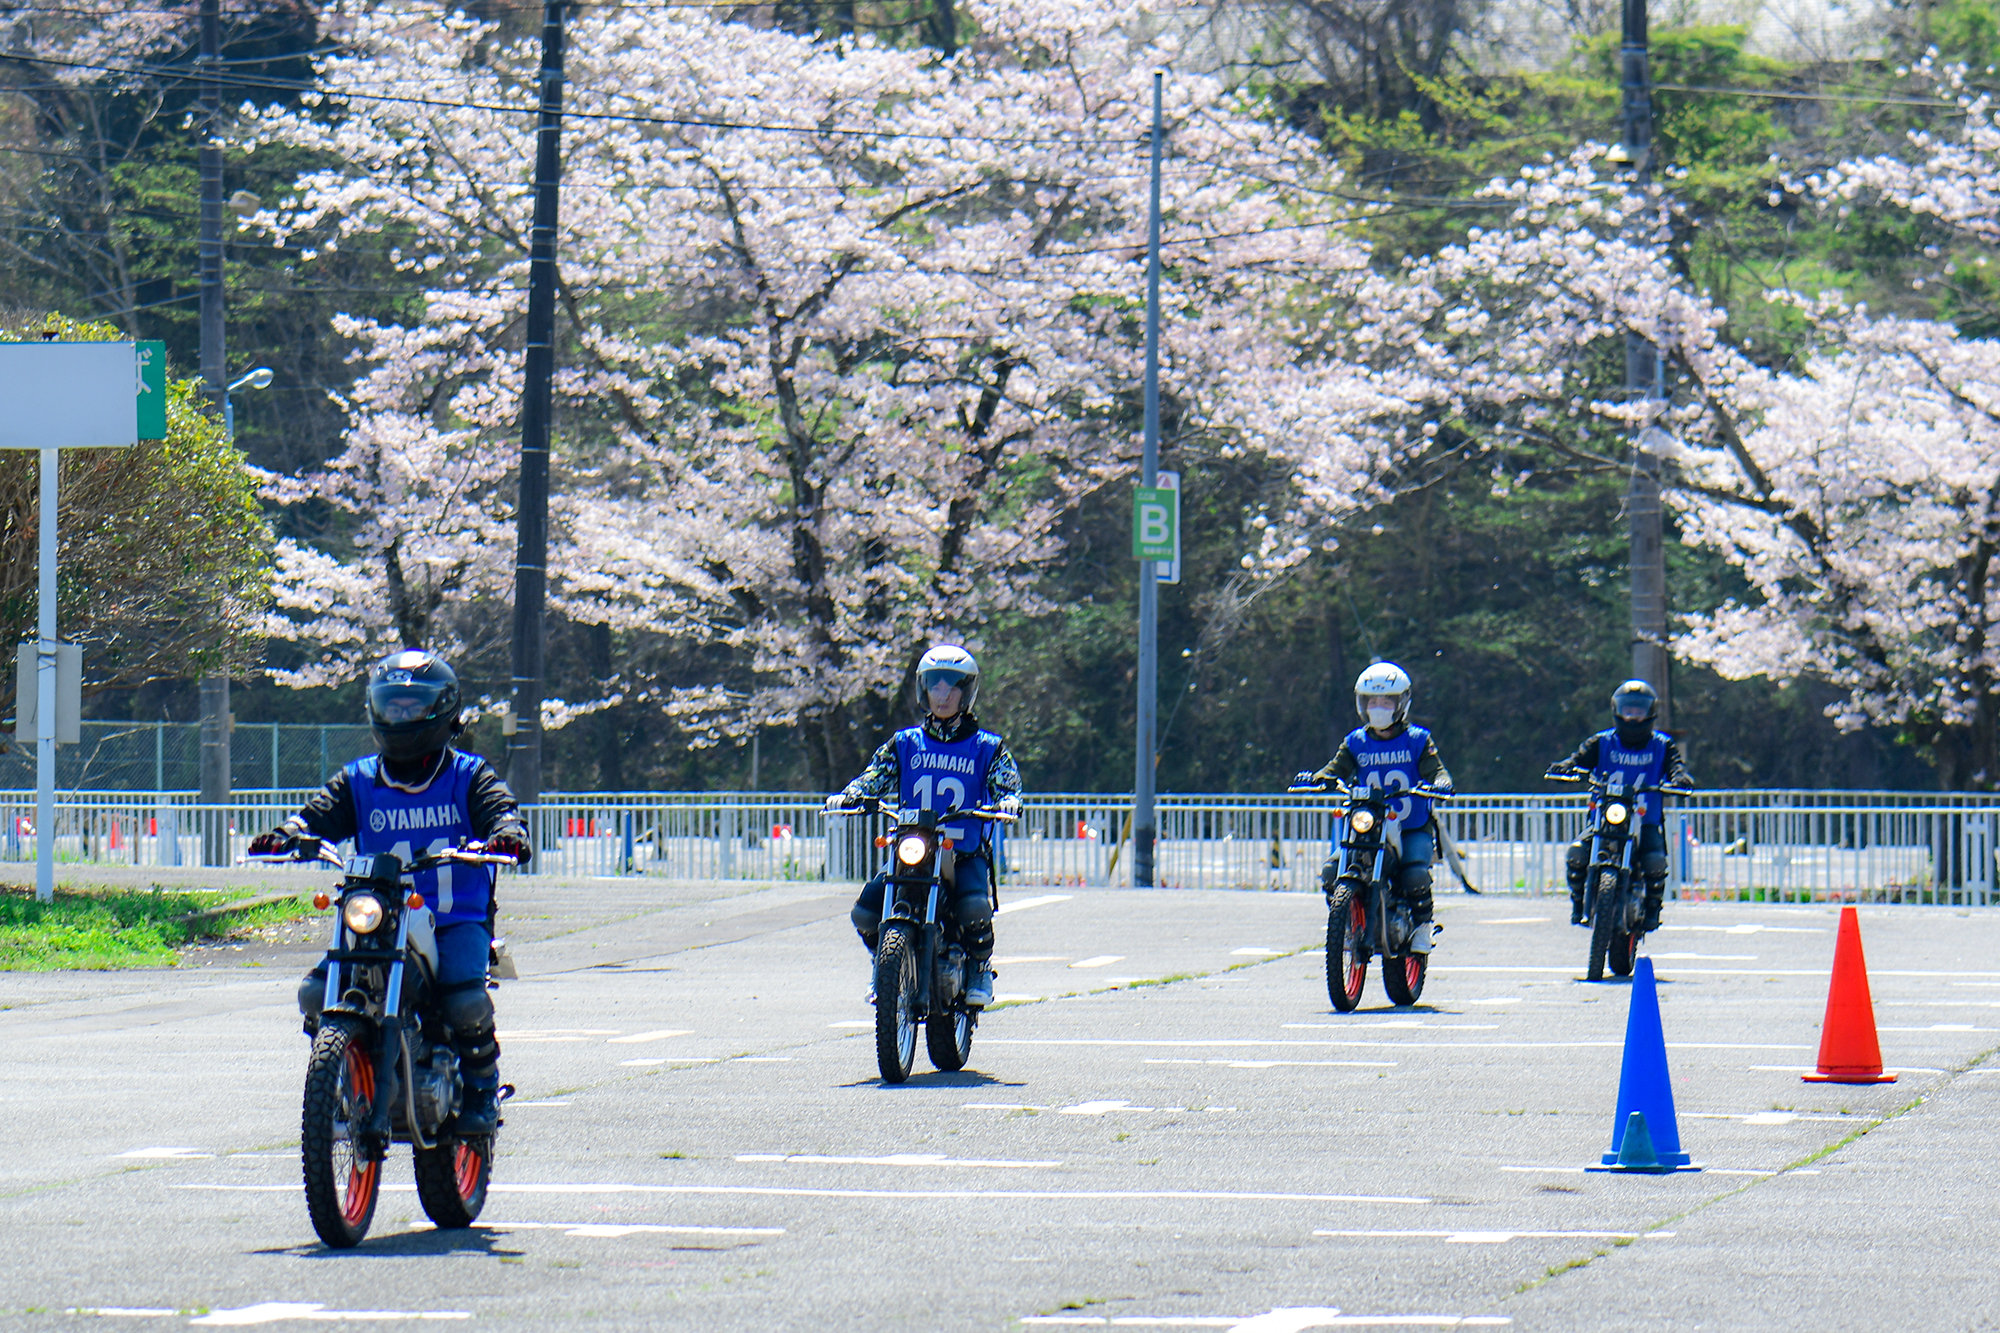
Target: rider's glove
511, 844
271, 843
1009, 805
837, 803
1304, 780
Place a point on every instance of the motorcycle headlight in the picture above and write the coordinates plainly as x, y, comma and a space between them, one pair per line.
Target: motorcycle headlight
1616, 813
1363, 821
912, 848
362, 913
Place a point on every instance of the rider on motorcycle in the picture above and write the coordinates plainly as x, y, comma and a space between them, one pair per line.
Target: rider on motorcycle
416, 796
1390, 752
946, 760
1632, 748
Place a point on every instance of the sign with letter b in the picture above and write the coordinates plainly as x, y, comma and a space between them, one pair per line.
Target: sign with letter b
1155, 523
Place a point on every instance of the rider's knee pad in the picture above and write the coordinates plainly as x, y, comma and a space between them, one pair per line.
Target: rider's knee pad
1653, 865
312, 993
1578, 858
467, 1010
866, 920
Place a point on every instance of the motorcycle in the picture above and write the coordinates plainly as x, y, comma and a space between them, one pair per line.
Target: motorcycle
1365, 916
920, 975
1614, 898
383, 1069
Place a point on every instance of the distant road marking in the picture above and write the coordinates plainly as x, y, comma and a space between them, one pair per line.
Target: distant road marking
122, 1311
1497, 999
1707, 1170
1274, 1064
1293, 1320
272, 1312
1941, 1027
1512, 921
616, 1230
638, 1037
165, 1154
894, 1159
1032, 958
1498, 1237
1362, 1023
556, 1034
1709, 957
1754, 929
644, 1063
1192, 1042
1102, 960
1025, 903
764, 1059
1729, 971
1001, 1106
803, 1192
1256, 953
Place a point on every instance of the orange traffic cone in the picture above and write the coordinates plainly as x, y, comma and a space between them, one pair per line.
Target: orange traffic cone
1848, 1050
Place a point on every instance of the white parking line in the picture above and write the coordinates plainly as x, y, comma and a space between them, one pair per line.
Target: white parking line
801, 1192
1283, 1320
643, 1063
1750, 929
1513, 921
1256, 953
1363, 1023
555, 1034
273, 1312
638, 1037
617, 1230
1274, 1064
1025, 903
165, 1154
1102, 960
1497, 1237
895, 1159
1032, 958
516, 1105
1157, 1043
1707, 957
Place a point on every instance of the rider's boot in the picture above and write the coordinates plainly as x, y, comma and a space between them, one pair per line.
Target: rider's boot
978, 983
468, 1011
868, 943
1576, 916
1656, 892
480, 1113
1422, 928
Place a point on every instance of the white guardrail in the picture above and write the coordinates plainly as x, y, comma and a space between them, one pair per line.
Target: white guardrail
1789, 846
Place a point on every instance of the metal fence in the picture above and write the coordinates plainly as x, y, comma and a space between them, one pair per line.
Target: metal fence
1744, 845
148, 757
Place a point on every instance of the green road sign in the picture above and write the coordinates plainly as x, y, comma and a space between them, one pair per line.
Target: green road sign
152, 358
1156, 527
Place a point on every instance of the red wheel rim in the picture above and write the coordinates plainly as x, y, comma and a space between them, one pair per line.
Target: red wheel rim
465, 1165
358, 1195
1413, 971
1357, 926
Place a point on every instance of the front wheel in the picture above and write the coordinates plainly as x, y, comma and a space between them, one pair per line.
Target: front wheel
1346, 946
1624, 953
949, 1036
895, 1004
1606, 922
452, 1179
342, 1179
1403, 977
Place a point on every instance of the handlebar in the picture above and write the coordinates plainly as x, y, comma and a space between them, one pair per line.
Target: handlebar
1599, 784
1345, 789
873, 805
315, 851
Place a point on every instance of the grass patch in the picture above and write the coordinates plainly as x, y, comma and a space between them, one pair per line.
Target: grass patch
103, 929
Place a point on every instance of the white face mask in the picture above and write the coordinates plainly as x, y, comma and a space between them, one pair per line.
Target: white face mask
1381, 716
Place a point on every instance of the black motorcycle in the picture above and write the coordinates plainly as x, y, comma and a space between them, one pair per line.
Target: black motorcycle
1365, 916
920, 973
1614, 896
383, 1069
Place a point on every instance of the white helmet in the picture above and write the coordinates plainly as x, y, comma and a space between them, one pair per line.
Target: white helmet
947, 664
1384, 680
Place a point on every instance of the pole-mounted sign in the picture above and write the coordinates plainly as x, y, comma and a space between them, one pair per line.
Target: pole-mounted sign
56, 396
1156, 523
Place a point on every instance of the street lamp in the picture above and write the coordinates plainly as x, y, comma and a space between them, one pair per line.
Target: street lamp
260, 378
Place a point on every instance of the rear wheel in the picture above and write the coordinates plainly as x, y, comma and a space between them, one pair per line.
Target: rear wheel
1403, 977
949, 1036
452, 1179
895, 1004
1606, 918
342, 1181
1346, 946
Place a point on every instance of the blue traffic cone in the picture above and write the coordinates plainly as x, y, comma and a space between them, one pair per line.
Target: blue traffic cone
1645, 1097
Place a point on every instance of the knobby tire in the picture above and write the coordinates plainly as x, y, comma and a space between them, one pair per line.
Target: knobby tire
452, 1179
1346, 949
1403, 976
895, 1004
341, 1185
1606, 918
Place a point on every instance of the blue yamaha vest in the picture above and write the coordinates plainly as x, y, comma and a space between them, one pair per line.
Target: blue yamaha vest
1392, 765
1647, 764
937, 775
409, 824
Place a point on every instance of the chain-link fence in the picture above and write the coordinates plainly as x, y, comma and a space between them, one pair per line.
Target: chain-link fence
166, 756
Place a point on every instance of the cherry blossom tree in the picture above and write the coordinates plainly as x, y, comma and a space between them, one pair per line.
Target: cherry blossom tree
848, 329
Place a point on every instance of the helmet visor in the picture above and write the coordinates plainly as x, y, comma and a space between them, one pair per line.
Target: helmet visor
936, 676
400, 703
1634, 708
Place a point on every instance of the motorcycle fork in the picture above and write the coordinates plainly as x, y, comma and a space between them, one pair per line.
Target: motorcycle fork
390, 1053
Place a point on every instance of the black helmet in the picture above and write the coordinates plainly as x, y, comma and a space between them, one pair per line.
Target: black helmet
412, 705
1634, 705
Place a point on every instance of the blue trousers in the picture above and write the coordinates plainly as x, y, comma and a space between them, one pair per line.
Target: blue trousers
970, 907
462, 1001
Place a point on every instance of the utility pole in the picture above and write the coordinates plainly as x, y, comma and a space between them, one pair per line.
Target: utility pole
1144, 826
215, 373
531, 530
1644, 378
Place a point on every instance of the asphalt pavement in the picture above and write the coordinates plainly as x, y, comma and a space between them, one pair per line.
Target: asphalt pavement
1164, 1125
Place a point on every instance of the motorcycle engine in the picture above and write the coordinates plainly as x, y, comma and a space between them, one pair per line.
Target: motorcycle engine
437, 1089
